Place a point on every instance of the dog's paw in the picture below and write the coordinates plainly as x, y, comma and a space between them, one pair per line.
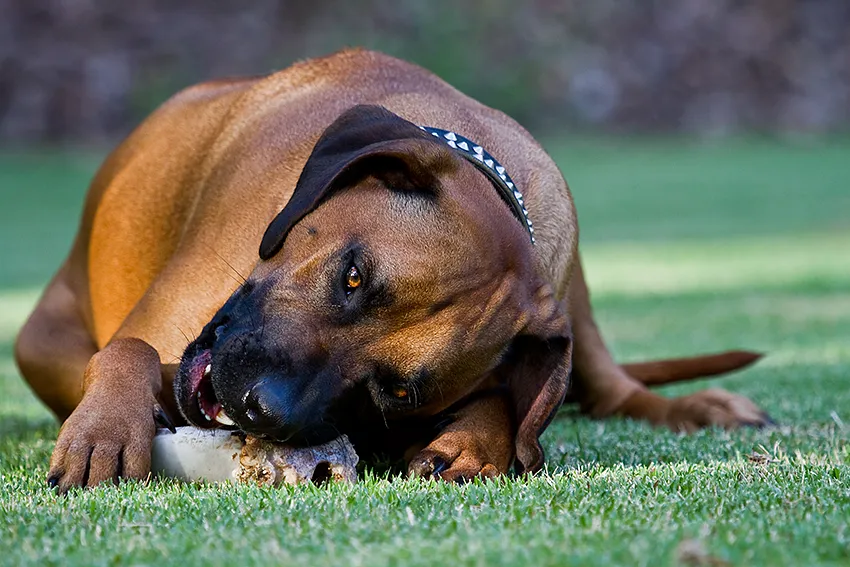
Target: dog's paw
103, 441
714, 408
454, 466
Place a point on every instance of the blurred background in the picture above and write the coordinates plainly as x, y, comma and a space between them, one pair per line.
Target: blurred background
672, 120
75, 71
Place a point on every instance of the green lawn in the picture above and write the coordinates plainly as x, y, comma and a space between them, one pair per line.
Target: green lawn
689, 248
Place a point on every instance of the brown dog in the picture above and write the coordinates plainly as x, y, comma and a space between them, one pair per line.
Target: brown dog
396, 297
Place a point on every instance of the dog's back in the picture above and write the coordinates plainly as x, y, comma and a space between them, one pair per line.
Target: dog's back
216, 157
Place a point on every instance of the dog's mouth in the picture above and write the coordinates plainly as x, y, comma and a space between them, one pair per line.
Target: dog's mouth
204, 409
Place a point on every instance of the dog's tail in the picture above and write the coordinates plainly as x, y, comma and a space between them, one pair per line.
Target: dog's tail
658, 372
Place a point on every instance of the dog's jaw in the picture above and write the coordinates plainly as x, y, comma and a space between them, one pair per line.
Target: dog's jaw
195, 395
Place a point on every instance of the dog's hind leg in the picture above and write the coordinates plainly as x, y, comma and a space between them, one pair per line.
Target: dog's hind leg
603, 388
54, 347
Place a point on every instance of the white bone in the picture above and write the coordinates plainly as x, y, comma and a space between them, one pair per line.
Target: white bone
217, 455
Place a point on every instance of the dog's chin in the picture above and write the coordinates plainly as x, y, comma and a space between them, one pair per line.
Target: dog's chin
194, 391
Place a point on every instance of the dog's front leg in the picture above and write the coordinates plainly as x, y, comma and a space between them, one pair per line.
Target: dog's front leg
109, 434
478, 443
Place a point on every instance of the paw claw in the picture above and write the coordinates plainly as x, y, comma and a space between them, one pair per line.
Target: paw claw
438, 465
463, 468
161, 418
427, 465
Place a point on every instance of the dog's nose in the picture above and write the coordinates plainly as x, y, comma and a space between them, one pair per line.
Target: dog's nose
281, 410
269, 408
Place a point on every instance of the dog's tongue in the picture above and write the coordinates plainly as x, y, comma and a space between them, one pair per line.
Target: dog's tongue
198, 370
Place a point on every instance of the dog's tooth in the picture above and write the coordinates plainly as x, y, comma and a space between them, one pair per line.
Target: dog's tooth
223, 418
201, 407
207, 370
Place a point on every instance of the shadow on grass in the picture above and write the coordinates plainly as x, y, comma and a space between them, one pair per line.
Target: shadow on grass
21, 429
26, 444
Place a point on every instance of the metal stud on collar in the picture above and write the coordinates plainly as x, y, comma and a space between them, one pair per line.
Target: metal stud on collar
485, 162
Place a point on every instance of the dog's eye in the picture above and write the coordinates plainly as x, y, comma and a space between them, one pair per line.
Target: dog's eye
352, 279
400, 392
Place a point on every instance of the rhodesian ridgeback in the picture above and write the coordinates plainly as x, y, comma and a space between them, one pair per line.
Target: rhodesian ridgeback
418, 284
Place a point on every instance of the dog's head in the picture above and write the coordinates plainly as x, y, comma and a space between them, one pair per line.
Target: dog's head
396, 280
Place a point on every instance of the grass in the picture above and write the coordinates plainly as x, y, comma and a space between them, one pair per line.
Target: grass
689, 248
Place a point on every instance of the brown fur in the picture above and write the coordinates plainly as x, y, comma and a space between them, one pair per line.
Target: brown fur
171, 227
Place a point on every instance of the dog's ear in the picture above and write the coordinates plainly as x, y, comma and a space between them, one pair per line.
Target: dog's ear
538, 370
364, 140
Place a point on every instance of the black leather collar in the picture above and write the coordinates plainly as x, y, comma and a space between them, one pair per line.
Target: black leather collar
480, 158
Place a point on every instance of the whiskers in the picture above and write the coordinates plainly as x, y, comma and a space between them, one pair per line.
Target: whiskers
439, 390
414, 393
185, 336
236, 274
380, 405
242, 280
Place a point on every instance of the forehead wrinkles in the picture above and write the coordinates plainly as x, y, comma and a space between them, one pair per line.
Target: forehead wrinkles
464, 328
295, 270
413, 346
500, 310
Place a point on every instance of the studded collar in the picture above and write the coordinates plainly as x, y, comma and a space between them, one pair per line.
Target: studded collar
480, 158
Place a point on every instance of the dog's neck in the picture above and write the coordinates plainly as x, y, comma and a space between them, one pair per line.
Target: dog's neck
481, 159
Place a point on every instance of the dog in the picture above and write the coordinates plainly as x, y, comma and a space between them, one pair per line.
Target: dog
418, 285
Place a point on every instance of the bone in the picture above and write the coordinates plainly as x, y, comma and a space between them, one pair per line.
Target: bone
217, 455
